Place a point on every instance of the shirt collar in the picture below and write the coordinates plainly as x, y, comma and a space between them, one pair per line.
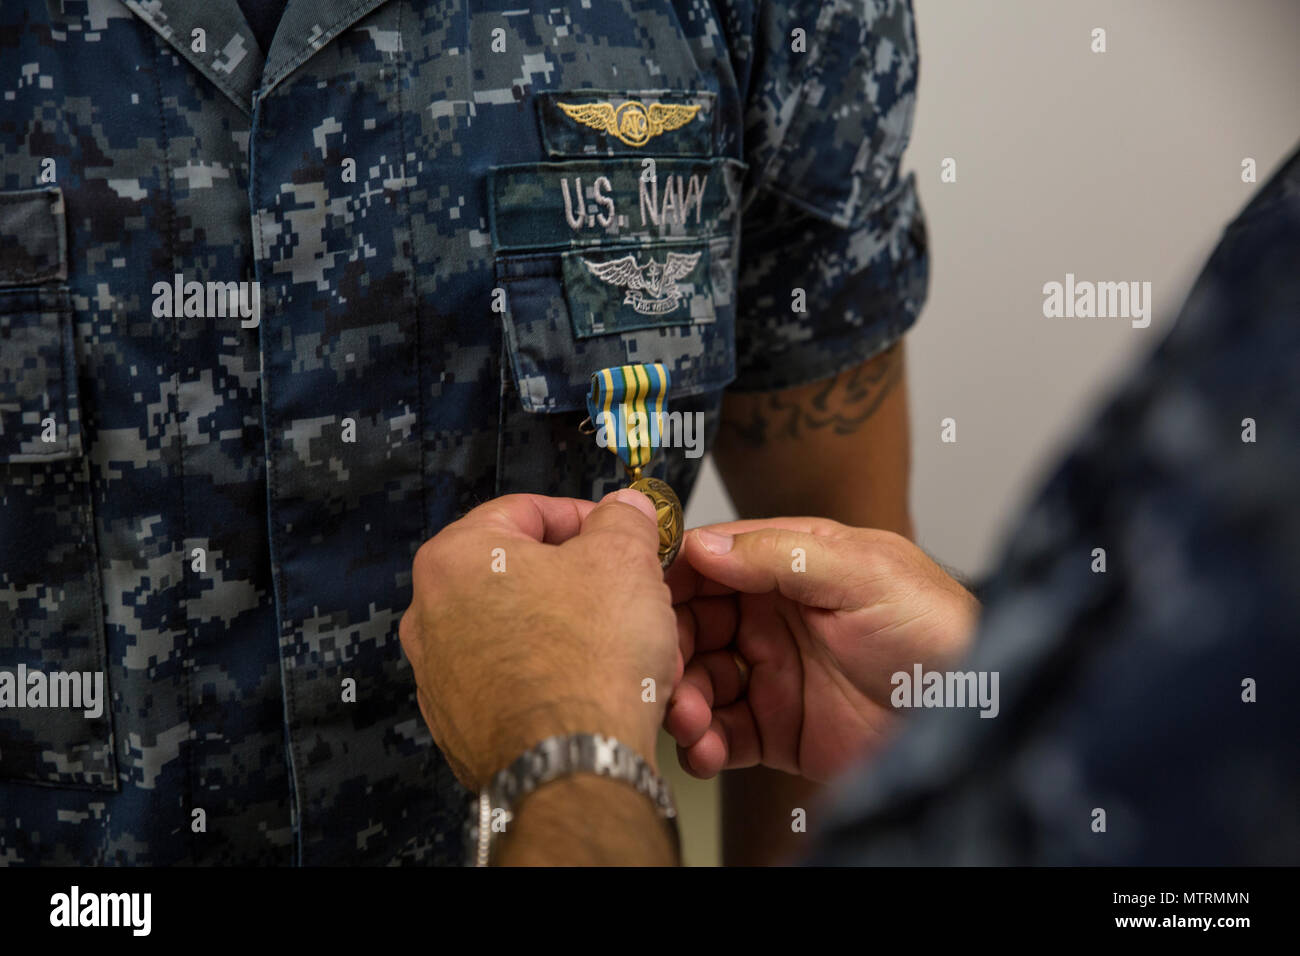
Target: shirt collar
230, 57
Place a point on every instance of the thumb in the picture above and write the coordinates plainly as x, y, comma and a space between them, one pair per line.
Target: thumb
629, 515
817, 570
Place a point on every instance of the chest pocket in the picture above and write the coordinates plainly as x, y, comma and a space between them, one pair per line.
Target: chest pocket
55, 724
620, 249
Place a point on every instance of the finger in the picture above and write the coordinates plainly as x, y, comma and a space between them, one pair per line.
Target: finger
685, 582
627, 514
710, 681
814, 569
819, 526
707, 756
700, 762
739, 729
731, 742
724, 673
706, 624
697, 678
536, 517
689, 714
686, 627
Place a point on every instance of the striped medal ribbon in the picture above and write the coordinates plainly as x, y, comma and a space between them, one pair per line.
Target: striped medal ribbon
626, 408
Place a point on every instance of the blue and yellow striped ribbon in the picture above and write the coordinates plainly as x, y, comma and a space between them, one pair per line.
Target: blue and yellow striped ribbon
626, 404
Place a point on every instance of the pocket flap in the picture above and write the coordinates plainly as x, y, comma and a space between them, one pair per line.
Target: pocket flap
640, 288
616, 262
564, 321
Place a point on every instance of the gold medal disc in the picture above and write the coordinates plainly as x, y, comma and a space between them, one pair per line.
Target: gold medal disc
668, 508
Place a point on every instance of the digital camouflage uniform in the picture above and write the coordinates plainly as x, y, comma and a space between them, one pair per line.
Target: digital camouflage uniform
223, 517
1163, 690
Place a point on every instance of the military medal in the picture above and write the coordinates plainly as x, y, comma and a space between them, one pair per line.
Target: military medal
626, 409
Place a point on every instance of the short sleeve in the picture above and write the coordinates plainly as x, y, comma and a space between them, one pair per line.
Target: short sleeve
833, 254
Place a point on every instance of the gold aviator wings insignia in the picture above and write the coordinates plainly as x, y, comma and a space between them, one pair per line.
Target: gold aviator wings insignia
668, 116
596, 115
632, 122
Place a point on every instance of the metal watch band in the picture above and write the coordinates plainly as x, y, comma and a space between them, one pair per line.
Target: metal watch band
551, 759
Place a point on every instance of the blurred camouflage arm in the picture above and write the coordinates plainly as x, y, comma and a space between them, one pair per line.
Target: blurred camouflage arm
838, 449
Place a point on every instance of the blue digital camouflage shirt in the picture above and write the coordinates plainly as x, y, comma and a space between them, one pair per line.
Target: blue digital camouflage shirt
212, 492
1149, 713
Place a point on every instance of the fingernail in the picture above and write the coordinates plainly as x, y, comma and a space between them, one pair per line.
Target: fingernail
636, 499
716, 543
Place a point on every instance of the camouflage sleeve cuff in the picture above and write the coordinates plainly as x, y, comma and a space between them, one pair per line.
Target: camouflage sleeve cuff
815, 299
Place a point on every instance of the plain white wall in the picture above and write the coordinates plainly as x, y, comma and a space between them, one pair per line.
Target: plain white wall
1123, 165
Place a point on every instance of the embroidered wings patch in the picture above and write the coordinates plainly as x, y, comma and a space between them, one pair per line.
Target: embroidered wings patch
632, 122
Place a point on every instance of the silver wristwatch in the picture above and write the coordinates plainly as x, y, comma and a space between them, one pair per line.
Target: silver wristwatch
555, 757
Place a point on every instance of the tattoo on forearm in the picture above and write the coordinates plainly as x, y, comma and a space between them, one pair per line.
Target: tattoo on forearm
842, 404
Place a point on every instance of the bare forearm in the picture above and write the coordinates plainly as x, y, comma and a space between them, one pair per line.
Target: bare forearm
837, 449
587, 820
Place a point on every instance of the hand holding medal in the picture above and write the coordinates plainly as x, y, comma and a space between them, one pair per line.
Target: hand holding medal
626, 406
